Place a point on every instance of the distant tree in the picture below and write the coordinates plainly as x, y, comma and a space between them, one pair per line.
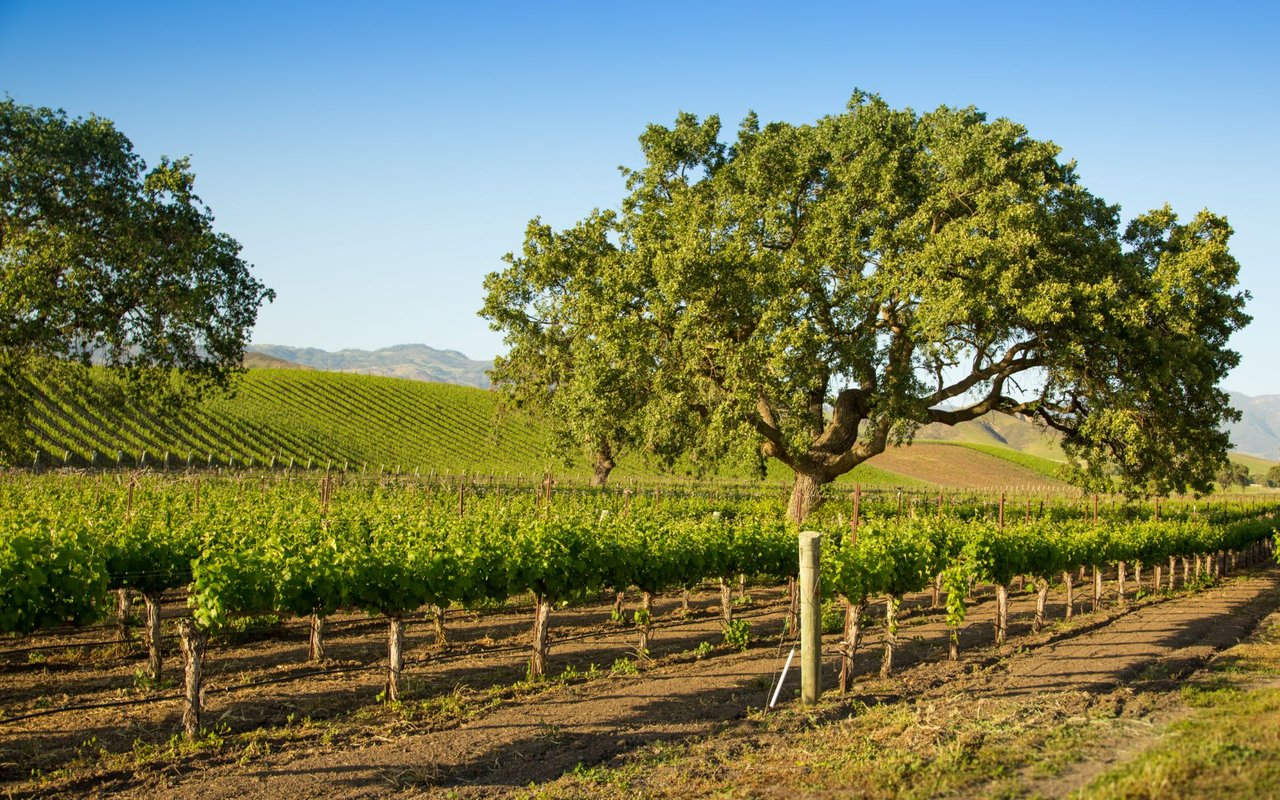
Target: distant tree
1273, 477
1233, 474
102, 258
825, 289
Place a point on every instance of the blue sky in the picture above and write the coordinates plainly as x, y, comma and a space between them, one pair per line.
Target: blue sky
376, 160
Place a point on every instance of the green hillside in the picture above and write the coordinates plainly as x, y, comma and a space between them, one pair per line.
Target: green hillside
316, 419
304, 415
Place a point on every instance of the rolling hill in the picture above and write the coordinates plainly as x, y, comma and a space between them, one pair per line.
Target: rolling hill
311, 418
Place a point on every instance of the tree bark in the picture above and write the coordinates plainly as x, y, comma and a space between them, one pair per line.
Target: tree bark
619, 601
1121, 599
315, 645
726, 601
194, 640
124, 603
1070, 590
806, 494
852, 637
541, 626
646, 621
890, 635
602, 465
395, 657
1042, 597
438, 618
152, 601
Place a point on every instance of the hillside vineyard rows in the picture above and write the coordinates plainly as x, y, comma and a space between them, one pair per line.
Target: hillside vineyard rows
263, 545
283, 418
293, 421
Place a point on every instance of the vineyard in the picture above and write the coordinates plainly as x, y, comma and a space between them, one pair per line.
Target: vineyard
203, 557
303, 420
283, 419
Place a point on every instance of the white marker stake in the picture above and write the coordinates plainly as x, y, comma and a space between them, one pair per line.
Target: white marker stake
785, 667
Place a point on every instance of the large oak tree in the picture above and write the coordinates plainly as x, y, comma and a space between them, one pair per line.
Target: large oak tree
103, 258
826, 289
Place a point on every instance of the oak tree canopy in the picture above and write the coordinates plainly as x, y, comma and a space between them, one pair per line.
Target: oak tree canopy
822, 290
103, 258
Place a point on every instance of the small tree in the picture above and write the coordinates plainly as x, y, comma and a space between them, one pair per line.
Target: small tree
1232, 474
823, 290
550, 302
102, 258
1273, 477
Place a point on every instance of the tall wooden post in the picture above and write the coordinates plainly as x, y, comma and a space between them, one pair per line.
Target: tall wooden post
810, 618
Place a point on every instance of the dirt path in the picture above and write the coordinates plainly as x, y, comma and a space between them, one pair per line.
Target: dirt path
539, 739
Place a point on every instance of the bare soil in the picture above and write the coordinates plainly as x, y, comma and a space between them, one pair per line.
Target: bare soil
466, 733
960, 467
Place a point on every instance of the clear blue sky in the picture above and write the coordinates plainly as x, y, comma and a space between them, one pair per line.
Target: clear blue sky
376, 160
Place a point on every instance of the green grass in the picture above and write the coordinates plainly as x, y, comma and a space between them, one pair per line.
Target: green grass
1228, 747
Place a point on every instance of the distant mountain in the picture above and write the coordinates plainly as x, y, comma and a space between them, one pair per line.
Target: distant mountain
1258, 431
414, 361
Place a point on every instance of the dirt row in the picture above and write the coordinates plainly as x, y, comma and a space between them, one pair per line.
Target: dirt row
512, 740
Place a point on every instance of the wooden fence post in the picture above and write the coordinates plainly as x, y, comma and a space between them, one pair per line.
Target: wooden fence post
810, 618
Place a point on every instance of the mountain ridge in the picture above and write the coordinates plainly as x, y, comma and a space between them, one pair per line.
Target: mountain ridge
412, 361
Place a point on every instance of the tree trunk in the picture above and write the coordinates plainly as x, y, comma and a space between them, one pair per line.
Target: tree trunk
438, 618
541, 626
602, 465
1002, 612
194, 640
315, 648
1042, 597
646, 620
619, 599
890, 634
726, 602
1070, 589
806, 494
124, 603
152, 600
852, 637
395, 657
